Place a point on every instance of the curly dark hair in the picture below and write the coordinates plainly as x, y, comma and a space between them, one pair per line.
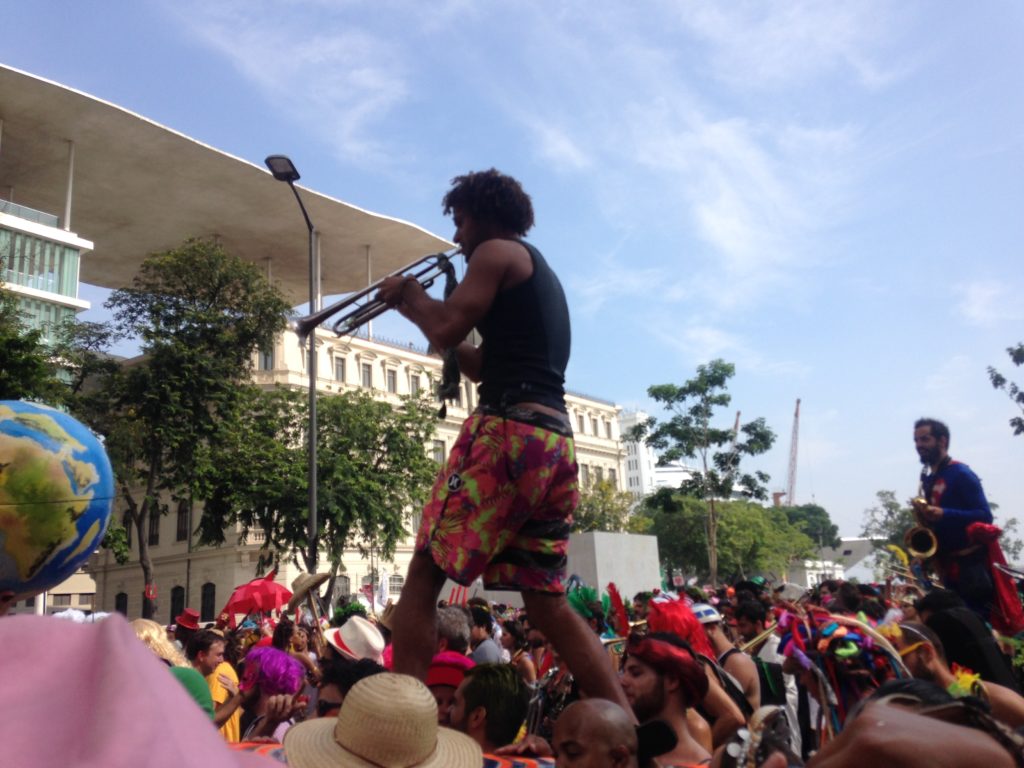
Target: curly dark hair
491, 196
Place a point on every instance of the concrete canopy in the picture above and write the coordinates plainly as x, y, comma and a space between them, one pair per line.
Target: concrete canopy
140, 188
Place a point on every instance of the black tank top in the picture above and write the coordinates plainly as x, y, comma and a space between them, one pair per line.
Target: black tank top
526, 340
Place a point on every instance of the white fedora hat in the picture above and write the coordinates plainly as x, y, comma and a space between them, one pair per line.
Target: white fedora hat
386, 721
356, 639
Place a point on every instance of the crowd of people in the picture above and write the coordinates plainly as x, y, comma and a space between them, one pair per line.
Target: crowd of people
748, 675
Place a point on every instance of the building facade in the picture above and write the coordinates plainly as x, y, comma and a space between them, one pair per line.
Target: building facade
643, 475
203, 578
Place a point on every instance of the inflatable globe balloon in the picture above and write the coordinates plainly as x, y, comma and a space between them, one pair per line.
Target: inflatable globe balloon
56, 494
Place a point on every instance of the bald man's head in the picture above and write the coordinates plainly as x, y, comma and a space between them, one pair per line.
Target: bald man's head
595, 733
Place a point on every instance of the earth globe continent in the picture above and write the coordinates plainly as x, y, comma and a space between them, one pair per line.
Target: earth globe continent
56, 495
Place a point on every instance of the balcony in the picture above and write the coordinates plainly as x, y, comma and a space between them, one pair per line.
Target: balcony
29, 214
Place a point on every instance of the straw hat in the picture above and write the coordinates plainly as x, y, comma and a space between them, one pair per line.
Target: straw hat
386, 721
387, 616
356, 639
303, 583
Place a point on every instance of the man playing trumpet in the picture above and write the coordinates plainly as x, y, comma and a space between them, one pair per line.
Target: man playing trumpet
502, 505
953, 505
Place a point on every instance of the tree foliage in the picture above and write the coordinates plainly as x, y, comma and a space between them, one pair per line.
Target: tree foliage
373, 473
814, 521
200, 314
1014, 391
688, 433
887, 521
751, 539
27, 367
603, 508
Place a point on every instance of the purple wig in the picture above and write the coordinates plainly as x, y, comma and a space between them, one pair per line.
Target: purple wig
276, 671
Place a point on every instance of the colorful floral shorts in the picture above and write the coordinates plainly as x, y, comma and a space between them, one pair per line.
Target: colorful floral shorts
502, 507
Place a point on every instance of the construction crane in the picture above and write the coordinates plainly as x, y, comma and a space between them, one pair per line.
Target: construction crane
791, 479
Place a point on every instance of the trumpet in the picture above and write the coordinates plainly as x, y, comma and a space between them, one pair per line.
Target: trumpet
362, 308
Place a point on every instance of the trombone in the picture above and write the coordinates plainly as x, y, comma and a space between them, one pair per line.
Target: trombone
362, 309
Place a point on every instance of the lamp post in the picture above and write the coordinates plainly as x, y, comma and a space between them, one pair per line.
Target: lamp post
284, 170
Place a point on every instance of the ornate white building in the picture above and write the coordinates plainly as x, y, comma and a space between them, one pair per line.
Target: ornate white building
387, 369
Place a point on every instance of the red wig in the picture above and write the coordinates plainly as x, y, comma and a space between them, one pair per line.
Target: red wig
676, 617
672, 661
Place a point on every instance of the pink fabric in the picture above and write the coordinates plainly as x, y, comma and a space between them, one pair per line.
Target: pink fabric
93, 696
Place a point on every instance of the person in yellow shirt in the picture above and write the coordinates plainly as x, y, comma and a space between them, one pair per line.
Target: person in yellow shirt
206, 652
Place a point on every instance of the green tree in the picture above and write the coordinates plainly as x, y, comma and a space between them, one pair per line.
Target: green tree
27, 367
887, 521
373, 473
689, 434
200, 314
885, 524
1015, 393
815, 522
752, 539
602, 508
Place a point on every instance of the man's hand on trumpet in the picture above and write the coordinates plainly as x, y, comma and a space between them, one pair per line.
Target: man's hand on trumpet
392, 290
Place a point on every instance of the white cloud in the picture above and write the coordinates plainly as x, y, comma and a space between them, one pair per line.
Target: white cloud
341, 79
768, 45
986, 302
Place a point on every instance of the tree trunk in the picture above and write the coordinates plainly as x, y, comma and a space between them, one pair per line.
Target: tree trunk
142, 528
712, 542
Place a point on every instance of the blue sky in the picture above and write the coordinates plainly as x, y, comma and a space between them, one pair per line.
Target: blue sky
828, 195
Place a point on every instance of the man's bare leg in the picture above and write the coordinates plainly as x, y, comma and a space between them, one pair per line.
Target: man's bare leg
577, 644
415, 621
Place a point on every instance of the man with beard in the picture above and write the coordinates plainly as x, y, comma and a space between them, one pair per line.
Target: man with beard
953, 505
662, 680
490, 705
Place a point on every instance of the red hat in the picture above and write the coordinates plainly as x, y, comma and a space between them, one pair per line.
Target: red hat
448, 668
189, 619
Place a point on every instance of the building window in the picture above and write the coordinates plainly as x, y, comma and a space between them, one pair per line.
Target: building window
580, 422
613, 478
593, 426
599, 474
367, 370
121, 603
177, 603
585, 475
343, 586
608, 430
61, 601
126, 521
154, 528
438, 451
414, 384
181, 533
391, 376
339, 369
266, 360
395, 583
207, 609
30, 603
85, 600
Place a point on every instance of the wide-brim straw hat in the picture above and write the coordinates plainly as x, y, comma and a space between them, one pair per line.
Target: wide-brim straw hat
302, 585
386, 721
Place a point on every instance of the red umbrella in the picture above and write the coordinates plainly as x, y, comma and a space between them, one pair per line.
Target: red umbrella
261, 595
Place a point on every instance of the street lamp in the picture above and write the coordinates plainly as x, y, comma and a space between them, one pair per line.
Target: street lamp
284, 170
